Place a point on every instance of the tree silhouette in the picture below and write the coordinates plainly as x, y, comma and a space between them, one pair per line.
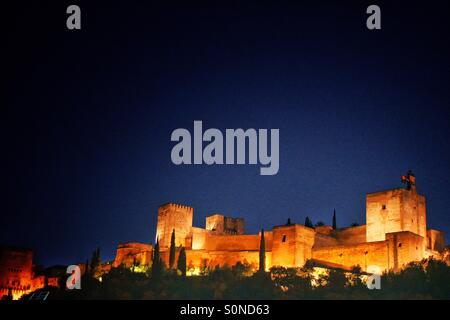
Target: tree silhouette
172, 251
308, 223
157, 264
334, 219
181, 265
95, 262
262, 253
428, 279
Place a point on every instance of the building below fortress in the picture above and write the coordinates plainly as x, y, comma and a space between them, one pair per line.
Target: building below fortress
17, 274
396, 234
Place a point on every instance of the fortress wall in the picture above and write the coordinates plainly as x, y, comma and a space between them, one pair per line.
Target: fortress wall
324, 230
165, 256
346, 236
304, 238
220, 224
16, 272
268, 239
237, 224
283, 246
232, 242
16, 266
203, 258
198, 238
364, 255
421, 201
322, 240
292, 245
435, 240
129, 253
404, 247
352, 235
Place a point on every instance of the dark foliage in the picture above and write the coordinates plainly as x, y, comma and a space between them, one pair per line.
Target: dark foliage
426, 280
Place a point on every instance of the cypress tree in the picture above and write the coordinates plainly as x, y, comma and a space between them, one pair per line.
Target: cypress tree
262, 253
95, 262
334, 219
172, 251
181, 265
308, 223
86, 266
156, 265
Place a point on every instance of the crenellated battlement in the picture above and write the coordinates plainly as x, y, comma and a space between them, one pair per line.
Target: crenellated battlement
220, 224
177, 205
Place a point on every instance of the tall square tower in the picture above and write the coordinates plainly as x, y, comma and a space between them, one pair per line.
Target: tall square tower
176, 217
395, 210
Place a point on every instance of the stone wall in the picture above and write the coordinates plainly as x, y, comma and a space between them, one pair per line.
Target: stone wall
16, 271
197, 239
235, 242
198, 259
435, 240
404, 247
347, 256
395, 252
219, 224
322, 240
128, 254
351, 235
292, 245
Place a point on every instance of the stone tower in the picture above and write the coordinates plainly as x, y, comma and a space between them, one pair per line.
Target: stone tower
292, 245
171, 217
396, 210
219, 224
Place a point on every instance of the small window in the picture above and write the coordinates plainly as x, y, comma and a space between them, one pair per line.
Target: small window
383, 207
284, 238
400, 245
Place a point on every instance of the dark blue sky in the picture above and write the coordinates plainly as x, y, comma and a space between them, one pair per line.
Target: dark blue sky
89, 114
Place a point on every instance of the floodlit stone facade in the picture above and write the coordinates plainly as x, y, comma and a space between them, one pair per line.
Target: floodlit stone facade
133, 253
396, 234
17, 276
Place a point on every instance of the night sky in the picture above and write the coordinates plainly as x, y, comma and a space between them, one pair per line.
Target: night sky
88, 118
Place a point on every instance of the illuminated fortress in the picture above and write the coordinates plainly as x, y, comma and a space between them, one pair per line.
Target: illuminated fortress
395, 234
